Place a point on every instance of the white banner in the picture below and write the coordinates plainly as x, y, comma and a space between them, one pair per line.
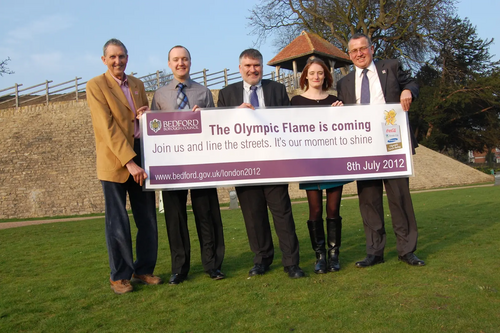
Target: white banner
237, 146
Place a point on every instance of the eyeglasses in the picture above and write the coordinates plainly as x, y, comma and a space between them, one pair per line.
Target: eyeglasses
361, 49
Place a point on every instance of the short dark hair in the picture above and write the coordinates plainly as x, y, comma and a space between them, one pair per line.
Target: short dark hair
116, 42
327, 82
252, 54
359, 35
176, 46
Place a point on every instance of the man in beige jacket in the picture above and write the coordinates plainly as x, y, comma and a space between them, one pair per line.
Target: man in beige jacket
115, 101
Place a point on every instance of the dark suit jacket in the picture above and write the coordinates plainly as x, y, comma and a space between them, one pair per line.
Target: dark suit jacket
274, 94
393, 81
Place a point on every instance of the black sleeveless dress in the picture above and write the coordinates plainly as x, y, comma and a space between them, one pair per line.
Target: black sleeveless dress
300, 101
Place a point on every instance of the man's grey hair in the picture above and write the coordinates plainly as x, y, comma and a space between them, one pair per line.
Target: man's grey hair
252, 54
359, 35
116, 42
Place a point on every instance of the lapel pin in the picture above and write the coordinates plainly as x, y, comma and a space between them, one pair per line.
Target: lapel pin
383, 71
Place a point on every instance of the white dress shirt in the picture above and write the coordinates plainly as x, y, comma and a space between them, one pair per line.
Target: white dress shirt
247, 91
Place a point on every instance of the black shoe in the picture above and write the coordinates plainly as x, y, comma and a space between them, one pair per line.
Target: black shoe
411, 259
294, 271
258, 269
177, 278
370, 260
216, 274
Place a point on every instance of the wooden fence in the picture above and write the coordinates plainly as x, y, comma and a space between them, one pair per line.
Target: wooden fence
42, 93
46, 92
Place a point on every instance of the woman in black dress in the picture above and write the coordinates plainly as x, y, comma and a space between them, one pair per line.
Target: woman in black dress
315, 81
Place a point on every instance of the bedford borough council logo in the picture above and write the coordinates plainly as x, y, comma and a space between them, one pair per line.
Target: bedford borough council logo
155, 125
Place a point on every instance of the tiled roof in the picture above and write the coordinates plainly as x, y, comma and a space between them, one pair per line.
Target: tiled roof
308, 44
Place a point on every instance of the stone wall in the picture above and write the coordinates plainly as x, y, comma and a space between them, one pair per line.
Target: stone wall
48, 161
48, 164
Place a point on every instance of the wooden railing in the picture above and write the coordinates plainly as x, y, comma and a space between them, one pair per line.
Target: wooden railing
15, 96
159, 79
75, 89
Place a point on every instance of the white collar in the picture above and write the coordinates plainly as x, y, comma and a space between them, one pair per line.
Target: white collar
371, 68
247, 86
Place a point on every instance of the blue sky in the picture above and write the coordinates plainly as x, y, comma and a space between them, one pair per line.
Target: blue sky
58, 40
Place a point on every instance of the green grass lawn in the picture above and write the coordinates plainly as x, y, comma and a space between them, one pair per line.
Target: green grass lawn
54, 278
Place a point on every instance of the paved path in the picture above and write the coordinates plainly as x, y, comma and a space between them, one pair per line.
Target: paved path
7, 225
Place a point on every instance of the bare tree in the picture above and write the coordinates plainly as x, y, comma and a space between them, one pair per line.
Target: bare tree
3, 67
156, 80
398, 28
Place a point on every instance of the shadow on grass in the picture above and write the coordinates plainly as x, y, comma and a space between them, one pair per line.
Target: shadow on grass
55, 278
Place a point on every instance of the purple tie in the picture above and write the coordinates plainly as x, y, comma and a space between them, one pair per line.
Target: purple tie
365, 88
254, 99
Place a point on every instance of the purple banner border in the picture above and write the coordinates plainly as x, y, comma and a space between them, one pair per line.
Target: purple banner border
350, 167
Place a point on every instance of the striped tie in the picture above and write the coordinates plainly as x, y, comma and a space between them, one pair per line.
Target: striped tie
182, 100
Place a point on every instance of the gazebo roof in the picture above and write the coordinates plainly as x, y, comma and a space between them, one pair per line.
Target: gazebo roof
306, 45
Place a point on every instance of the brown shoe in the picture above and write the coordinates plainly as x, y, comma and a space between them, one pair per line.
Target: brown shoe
149, 279
121, 286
